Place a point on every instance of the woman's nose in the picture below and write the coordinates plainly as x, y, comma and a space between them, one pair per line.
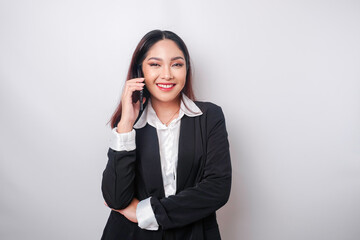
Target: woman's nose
166, 73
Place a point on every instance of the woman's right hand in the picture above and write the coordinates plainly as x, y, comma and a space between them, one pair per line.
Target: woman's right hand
130, 110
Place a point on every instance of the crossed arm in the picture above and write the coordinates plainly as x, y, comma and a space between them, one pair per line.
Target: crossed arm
187, 206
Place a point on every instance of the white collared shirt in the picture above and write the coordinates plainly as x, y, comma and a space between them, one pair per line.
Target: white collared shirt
168, 137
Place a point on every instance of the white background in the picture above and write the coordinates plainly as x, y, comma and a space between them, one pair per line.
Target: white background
286, 73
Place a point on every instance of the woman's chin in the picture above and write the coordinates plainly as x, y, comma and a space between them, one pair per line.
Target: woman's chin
166, 98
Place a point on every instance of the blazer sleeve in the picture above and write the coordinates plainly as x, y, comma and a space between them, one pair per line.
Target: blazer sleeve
118, 178
211, 192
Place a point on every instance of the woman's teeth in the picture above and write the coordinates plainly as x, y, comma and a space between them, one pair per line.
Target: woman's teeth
166, 86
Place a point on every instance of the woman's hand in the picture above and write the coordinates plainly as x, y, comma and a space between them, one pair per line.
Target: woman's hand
130, 110
130, 211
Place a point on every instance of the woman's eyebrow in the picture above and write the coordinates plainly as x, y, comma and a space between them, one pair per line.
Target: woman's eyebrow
175, 58
155, 58
172, 59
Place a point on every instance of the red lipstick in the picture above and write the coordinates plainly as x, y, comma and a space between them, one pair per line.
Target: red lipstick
165, 86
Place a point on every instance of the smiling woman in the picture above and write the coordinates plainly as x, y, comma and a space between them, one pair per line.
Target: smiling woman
168, 167
165, 74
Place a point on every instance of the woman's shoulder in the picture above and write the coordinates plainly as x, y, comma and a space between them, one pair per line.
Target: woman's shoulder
212, 117
209, 108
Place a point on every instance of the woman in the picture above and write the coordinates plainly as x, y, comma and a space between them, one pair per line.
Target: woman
168, 167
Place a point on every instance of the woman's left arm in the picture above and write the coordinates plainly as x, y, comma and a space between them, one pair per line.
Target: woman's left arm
212, 192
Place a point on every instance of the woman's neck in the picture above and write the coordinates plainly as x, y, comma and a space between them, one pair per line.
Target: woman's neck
166, 111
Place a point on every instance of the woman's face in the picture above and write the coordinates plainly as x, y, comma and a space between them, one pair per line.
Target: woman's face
164, 71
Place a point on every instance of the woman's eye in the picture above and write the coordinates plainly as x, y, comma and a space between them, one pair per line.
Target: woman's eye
154, 64
178, 65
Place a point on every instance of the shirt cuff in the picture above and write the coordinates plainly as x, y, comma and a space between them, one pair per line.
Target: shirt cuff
145, 215
122, 141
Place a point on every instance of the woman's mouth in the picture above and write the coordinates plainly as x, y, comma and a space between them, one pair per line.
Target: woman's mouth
165, 86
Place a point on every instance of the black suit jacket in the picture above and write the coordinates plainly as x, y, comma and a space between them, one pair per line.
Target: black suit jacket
203, 183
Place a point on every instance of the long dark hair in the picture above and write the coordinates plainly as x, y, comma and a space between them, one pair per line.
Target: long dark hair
138, 57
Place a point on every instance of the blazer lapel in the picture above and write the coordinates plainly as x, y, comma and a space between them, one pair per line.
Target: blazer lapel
187, 149
147, 146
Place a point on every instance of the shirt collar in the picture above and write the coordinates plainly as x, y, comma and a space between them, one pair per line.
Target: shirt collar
187, 107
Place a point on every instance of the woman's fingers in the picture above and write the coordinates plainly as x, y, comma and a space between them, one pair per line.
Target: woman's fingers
130, 211
133, 87
135, 80
130, 87
120, 211
130, 110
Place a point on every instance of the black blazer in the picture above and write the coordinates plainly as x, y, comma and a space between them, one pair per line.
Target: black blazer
203, 183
